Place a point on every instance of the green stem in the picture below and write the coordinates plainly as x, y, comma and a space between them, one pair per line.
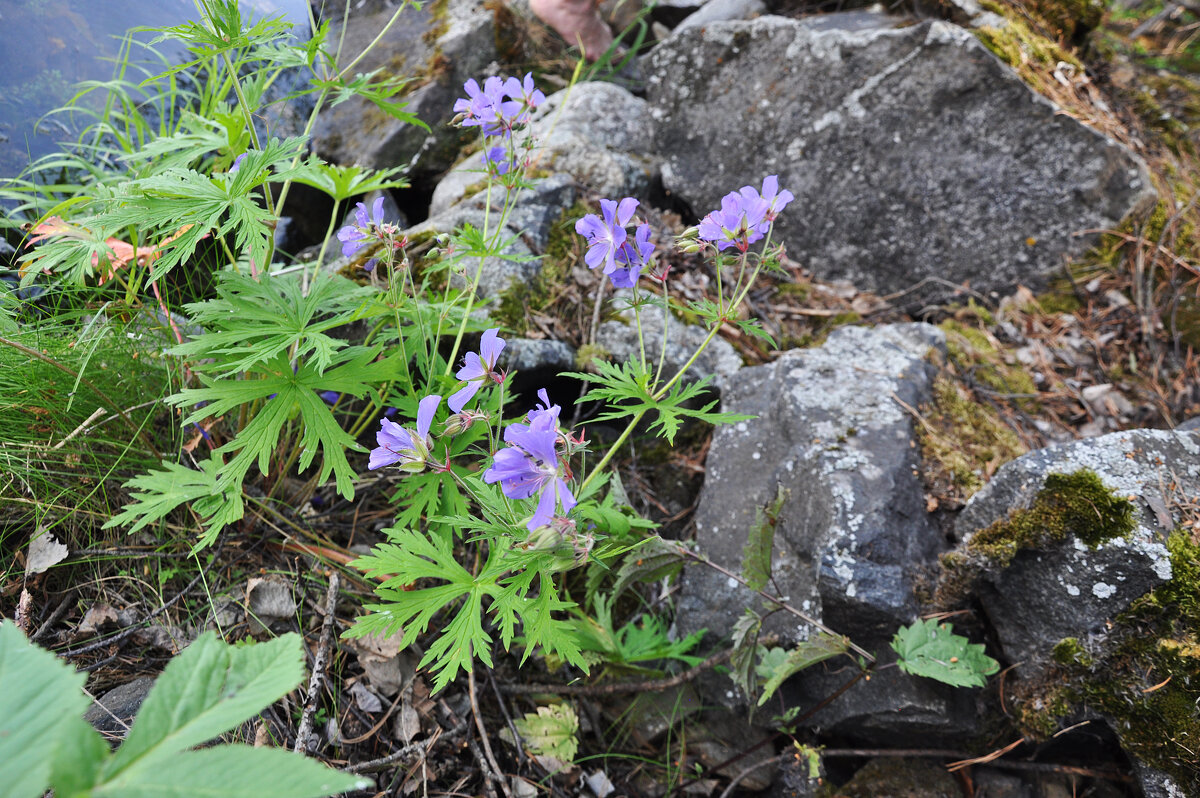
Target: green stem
462, 326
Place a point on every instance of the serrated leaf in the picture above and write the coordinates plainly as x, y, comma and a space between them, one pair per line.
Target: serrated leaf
232, 771
931, 649
778, 667
39, 694
208, 689
756, 554
653, 559
162, 490
551, 731
745, 649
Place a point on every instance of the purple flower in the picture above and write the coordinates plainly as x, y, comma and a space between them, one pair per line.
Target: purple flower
634, 255
398, 445
529, 465
478, 369
496, 160
606, 236
487, 108
776, 200
356, 236
330, 396
237, 163
524, 91
739, 223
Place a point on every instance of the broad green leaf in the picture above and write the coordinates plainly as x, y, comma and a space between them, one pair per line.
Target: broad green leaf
777, 668
39, 694
931, 649
745, 649
208, 689
231, 771
756, 555
551, 731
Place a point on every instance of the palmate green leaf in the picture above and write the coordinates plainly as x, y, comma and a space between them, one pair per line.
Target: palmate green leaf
777, 665
931, 649
161, 491
231, 771
551, 731
355, 371
633, 642
344, 182
410, 556
40, 695
252, 321
375, 87
756, 554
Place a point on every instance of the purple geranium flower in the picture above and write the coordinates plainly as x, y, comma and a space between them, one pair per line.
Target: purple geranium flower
740, 221
496, 159
478, 369
776, 200
635, 256
529, 465
398, 445
487, 108
606, 236
356, 236
525, 92
237, 163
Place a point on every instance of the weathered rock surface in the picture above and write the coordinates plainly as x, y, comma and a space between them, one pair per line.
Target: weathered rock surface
603, 138
913, 152
114, 711
442, 45
829, 431
1068, 589
528, 226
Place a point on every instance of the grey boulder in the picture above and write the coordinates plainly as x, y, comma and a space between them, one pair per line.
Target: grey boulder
828, 430
598, 133
1067, 589
914, 153
440, 46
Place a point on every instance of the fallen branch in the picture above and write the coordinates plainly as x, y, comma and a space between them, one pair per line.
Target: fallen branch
318, 671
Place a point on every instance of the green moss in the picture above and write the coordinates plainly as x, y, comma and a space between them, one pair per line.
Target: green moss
1069, 651
798, 291
537, 294
1069, 505
961, 442
972, 350
1149, 685
1040, 715
1020, 47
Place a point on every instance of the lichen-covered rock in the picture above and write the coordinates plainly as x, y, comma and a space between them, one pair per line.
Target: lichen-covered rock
914, 153
602, 137
829, 430
1087, 566
528, 229
439, 45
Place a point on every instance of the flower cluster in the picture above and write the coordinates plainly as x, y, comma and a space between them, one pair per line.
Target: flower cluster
745, 215
368, 229
609, 245
498, 108
530, 465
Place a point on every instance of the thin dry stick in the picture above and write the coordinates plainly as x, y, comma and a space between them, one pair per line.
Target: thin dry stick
318, 671
55, 616
647, 686
483, 737
775, 760
407, 755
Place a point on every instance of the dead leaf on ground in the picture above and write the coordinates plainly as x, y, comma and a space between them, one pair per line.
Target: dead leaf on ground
270, 598
97, 618
366, 700
388, 668
45, 550
168, 638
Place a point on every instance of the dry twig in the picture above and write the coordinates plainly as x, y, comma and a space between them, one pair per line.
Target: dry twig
318, 671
